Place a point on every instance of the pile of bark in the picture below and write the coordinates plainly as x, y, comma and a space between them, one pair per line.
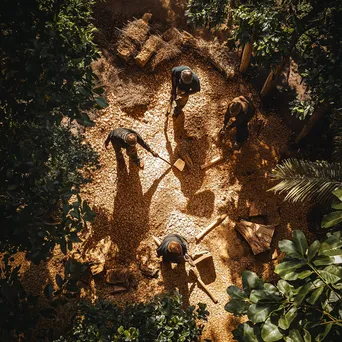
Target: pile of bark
136, 45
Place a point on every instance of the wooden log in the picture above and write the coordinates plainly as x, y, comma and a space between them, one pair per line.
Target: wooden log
212, 162
258, 236
149, 48
273, 77
211, 226
246, 56
314, 119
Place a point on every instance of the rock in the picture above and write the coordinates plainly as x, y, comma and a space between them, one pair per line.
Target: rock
149, 271
98, 255
119, 289
119, 276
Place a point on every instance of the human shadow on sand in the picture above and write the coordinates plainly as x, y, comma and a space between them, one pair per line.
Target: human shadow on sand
131, 210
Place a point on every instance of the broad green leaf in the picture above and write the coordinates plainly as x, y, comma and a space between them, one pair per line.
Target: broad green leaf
337, 206
251, 281
304, 290
286, 269
324, 334
285, 288
331, 274
304, 274
307, 336
315, 295
257, 295
313, 249
236, 293
286, 320
270, 332
300, 242
295, 336
331, 246
237, 306
338, 193
289, 247
245, 333
332, 219
259, 312
325, 260
101, 102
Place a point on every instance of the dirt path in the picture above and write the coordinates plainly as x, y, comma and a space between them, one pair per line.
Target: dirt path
133, 205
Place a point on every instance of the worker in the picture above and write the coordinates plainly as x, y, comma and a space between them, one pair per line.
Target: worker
128, 139
184, 83
173, 249
241, 111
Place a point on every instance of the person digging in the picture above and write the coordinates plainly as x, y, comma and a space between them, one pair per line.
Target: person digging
184, 83
174, 248
128, 139
240, 111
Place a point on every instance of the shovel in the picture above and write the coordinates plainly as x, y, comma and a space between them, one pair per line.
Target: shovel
179, 164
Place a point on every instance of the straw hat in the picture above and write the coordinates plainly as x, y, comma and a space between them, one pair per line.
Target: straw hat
187, 76
236, 106
175, 248
131, 139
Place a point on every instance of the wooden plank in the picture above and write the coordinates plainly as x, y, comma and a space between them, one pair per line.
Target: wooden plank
211, 226
258, 236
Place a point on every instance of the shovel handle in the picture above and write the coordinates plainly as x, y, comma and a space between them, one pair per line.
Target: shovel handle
164, 160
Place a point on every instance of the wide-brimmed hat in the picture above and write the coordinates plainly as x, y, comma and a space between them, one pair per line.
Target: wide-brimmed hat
187, 76
236, 106
131, 139
175, 248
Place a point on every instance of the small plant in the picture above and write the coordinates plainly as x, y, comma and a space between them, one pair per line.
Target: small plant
161, 319
306, 303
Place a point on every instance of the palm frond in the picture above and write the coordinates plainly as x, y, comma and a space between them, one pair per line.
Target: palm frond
336, 126
306, 180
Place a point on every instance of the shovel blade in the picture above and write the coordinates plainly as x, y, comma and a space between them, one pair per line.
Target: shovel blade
179, 164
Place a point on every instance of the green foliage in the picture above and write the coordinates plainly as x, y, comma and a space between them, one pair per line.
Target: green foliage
207, 13
17, 309
305, 180
46, 54
40, 204
162, 319
334, 218
306, 303
307, 30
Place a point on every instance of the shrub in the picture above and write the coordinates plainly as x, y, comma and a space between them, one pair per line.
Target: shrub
305, 305
161, 319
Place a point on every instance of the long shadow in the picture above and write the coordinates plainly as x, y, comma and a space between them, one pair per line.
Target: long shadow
193, 147
176, 278
131, 211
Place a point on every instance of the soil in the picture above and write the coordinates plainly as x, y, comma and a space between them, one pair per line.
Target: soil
132, 205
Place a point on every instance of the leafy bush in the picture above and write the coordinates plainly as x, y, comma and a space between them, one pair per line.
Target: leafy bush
306, 303
162, 319
46, 53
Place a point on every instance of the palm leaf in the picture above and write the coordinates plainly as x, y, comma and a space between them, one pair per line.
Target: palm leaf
305, 180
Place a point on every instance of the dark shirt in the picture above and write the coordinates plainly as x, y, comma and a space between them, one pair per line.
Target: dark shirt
167, 256
117, 138
177, 82
243, 117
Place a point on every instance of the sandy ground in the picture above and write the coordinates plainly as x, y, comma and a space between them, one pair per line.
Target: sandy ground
133, 205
